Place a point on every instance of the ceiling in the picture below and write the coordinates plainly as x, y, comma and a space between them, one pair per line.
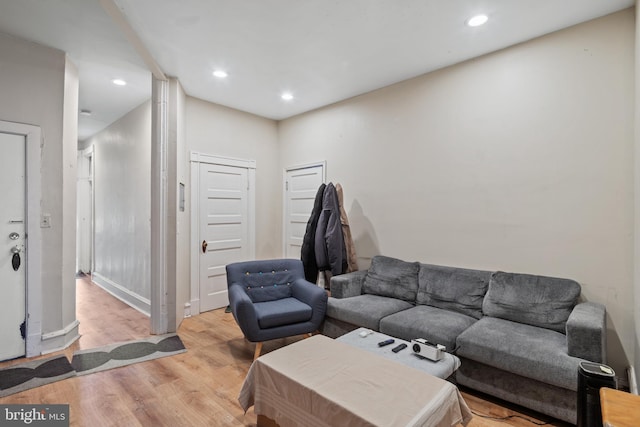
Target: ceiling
321, 51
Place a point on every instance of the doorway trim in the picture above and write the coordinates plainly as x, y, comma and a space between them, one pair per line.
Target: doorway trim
87, 155
195, 160
33, 291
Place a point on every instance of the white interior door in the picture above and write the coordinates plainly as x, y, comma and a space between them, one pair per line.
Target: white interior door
301, 186
12, 251
224, 229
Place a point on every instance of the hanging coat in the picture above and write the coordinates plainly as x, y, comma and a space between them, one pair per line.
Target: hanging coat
329, 242
352, 260
308, 251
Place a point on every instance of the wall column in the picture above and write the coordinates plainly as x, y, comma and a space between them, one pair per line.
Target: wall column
163, 212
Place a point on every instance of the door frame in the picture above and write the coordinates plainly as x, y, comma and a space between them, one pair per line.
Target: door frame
88, 155
33, 291
196, 159
285, 212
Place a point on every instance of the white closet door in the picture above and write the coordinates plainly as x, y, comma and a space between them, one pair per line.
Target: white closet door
224, 229
301, 186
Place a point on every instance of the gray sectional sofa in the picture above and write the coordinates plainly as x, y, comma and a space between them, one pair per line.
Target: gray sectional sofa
519, 337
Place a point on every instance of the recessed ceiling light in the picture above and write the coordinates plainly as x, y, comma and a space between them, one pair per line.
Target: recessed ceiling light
477, 20
85, 112
287, 96
220, 74
118, 82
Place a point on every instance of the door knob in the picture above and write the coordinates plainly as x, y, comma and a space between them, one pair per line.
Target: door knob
15, 250
204, 246
15, 259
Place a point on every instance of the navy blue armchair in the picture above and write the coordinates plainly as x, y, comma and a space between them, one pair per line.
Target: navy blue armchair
271, 299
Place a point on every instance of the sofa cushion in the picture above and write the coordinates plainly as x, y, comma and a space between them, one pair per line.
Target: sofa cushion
285, 311
390, 277
457, 289
365, 310
529, 351
431, 323
535, 300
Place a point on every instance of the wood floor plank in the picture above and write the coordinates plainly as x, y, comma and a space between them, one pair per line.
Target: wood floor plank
196, 388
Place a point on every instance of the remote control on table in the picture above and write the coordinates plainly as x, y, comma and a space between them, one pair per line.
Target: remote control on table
399, 347
386, 342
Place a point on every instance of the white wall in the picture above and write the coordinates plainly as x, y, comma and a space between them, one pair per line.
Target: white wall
34, 83
520, 160
221, 131
122, 162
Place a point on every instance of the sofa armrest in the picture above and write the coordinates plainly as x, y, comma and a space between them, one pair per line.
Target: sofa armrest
587, 332
347, 285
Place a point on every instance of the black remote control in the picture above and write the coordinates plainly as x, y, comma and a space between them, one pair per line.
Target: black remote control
386, 342
399, 347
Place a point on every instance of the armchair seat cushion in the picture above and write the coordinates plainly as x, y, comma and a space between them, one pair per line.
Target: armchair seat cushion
525, 350
285, 311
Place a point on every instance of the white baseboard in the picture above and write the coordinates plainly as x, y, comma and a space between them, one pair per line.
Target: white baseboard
140, 303
60, 339
195, 306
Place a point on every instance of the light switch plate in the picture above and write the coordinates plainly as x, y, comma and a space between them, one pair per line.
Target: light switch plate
45, 220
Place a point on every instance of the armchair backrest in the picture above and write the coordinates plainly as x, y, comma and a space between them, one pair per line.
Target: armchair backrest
265, 280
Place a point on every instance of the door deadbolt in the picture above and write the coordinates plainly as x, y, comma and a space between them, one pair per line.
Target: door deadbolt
204, 246
14, 236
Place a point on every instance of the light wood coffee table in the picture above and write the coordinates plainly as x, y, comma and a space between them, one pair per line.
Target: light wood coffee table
443, 368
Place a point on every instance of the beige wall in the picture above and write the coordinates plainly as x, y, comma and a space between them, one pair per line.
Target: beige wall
35, 80
221, 131
521, 160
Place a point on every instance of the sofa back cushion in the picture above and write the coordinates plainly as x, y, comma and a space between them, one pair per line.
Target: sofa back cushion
450, 288
540, 301
390, 277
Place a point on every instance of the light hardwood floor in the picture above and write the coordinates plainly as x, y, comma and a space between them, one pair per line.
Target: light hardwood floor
196, 388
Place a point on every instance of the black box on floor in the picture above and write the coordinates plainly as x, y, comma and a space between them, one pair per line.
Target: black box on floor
591, 378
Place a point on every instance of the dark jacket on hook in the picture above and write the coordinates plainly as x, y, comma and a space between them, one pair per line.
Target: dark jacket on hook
308, 251
331, 253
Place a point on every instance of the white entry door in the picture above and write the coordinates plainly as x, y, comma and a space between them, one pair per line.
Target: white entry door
301, 186
224, 229
12, 250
